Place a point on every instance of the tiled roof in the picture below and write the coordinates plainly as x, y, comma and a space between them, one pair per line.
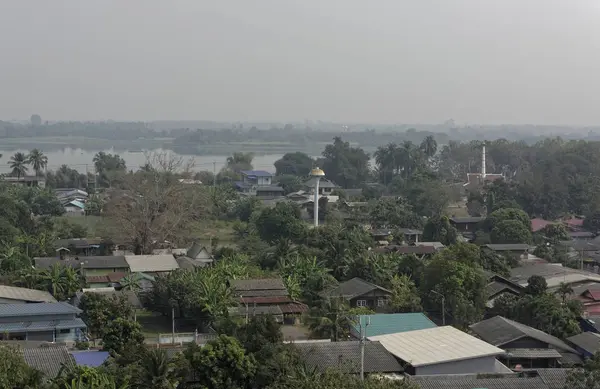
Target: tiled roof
539, 224
354, 288
346, 356
49, 360
91, 262
265, 300
482, 381
500, 331
554, 378
37, 309
24, 294
90, 358
293, 308
256, 311
391, 323
470, 219
256, 173
588, 341
258, 284
43, 325
109, 278
436, 345
508, 247
533, 353
151, 263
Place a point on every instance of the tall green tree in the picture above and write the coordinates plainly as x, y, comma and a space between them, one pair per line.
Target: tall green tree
297, 164
510, 231
15, 373
439, 229
121, 334
240, 161
18, 164
347, 166
405, 295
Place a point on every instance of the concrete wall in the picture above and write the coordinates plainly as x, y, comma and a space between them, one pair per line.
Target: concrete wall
468, 366
44, 336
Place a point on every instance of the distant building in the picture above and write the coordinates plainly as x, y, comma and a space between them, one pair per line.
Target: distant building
36, 181
258, 183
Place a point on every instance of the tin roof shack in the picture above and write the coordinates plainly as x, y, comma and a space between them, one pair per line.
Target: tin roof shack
442, 350
50, 322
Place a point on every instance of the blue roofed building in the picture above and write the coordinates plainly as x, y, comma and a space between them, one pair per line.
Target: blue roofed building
390, 323
258, 183
49, 322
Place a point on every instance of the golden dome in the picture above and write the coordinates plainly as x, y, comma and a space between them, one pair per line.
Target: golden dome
317, 172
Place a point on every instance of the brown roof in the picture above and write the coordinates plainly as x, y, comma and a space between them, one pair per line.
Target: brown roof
265, 300
111, 277
294, 308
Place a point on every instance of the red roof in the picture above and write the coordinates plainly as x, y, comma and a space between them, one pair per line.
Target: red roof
108, 278
294, 308
265, 300
538, 224
574, 222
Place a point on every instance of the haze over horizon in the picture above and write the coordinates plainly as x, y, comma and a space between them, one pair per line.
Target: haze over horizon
386, 61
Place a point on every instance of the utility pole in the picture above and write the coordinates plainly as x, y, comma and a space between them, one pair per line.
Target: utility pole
443, 306
363, 336
214, 173
173, 322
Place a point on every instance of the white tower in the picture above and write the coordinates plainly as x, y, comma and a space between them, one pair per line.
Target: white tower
317, 174
483, 162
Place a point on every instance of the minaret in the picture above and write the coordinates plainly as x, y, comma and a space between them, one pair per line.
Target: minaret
483, 162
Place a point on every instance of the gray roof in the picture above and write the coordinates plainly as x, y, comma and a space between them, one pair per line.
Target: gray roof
346, 355
354, 288
470, 219
487, 381
187, 263
258, 284
522, 273
196, 250
151, 263
500, 331
91, 262
533, 353
48, 359
269, 188
258, 310
130, 295
508, 247
588, 341
24, 294
37, 309
323, 183
554, 378
43, 325
499, 285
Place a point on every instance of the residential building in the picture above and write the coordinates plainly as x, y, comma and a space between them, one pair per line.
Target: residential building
152, 264
83, 247
252, 180
586, 343
200, 253
538, 224
255, 293
442, 350
529, 379
36, 181
498, 286
248, 311
516, 249
75, 207
108, 280
524, 345
15, 295
49, 359
50, 322
466, 224
438, 246
89, 266
555, 274
361, 293
325, 186
347, 356
389, 323
581, 235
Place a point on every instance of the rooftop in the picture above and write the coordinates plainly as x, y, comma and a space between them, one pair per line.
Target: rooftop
346, 355
91, 358
467, 219
391, 323
42, 325
500, 331
588, 341
89, 262
354, 288
256, 173
38, 309
508, 247
48, 359
524, 380
24, 294
436, 345
260, 287
151, 263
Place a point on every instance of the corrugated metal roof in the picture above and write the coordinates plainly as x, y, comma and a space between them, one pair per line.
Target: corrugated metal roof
48, 360
37, 309
391, 323
86, 262
152, 263
353, 288
258, 284
533, 353
588, 341
436, 345
42, 325
256, 173
24, 294
480, 381
508, 247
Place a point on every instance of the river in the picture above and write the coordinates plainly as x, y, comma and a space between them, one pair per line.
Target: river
83, 159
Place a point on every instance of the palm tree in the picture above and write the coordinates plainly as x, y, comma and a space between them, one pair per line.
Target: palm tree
38, 161
131, 282
330, 320
563, 291
156, 371
18, 164
61, 281
429, 146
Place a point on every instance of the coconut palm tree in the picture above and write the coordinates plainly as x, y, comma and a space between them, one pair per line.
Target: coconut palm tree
131, 282
18, 164
563, 291
156, 371
38, 161
61, 281
429, 146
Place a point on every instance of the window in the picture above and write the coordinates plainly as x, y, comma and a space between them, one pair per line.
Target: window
65, 331
381, 302
361, 303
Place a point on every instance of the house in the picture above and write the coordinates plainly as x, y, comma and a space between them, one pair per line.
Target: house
574, 224
252, 179
516, 249
267, 292
89, 266
346, 356
325, 186
554, 274
442, 350
586, 343
538, 224
103, 281
199, 253
389, 323
438, 246
524, 345
466, 224
248, 311
361, 293
271, 191
75, 206
35, 181
49, 359
581, 235
530, 379
15, 295
152, 264
498, 286
589, 295
83, 247
50, 322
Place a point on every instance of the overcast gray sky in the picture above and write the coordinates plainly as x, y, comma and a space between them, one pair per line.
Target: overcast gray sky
476, 61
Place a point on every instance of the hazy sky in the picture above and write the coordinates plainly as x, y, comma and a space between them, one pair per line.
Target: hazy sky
476, 61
